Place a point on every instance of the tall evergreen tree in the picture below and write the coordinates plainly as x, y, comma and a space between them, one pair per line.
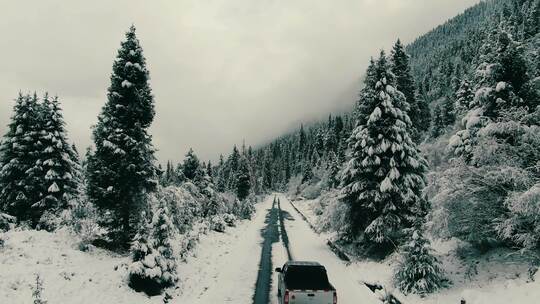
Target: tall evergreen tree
503, 76
438, 123
301, 140
243, 183
267, 174
20, 167
191, 165
405, 84
221, 183
383, 180
60, 165
121, 171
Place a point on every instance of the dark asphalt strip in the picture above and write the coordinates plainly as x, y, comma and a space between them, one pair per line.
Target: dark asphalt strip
284, 236
270, 233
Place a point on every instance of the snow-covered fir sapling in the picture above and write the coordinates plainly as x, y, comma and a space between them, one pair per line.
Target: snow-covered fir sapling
419, 271
163, 230
137, 271
153, 264
37, 292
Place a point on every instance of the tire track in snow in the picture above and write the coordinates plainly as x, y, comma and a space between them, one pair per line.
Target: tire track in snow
270, 234
283, 231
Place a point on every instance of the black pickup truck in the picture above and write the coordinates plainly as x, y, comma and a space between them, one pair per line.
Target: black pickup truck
303, 283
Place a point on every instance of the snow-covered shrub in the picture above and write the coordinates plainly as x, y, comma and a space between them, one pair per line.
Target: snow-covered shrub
51, 221
245, 208
312, 191
184, 202
242, 209
217, 223
419, 270
294, 186
6, 221
84, 222
230, 201
436, 152
474, 199
335, 214
189, 240
522, 226
230, 219
213, 206
480, 195
2, 241
464, 141
89, 231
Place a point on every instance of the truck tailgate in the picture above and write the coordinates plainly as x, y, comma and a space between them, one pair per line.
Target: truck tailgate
311, 297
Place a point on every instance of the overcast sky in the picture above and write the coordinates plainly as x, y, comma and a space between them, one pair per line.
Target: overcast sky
221, 70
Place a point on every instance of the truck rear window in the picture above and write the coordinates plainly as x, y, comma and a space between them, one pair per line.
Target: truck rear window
306, 278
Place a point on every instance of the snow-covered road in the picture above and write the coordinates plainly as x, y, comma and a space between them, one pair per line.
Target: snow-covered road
236, 268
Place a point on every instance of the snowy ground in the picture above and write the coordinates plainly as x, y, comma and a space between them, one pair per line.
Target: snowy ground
498, 276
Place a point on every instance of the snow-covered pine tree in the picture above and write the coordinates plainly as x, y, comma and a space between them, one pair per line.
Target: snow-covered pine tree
448, 111
243, 183
334, 166
405, 84
232, 169
302, 141
502, 75
419, 271
20, 167
191, 165
221, 182
464, 98
267, 175
438, 123
61, 168
384, 177
121, 171
210, 170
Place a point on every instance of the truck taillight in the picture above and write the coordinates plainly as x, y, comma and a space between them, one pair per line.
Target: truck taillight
286, 297
335, 297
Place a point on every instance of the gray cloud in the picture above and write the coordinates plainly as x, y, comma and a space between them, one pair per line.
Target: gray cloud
222, 70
